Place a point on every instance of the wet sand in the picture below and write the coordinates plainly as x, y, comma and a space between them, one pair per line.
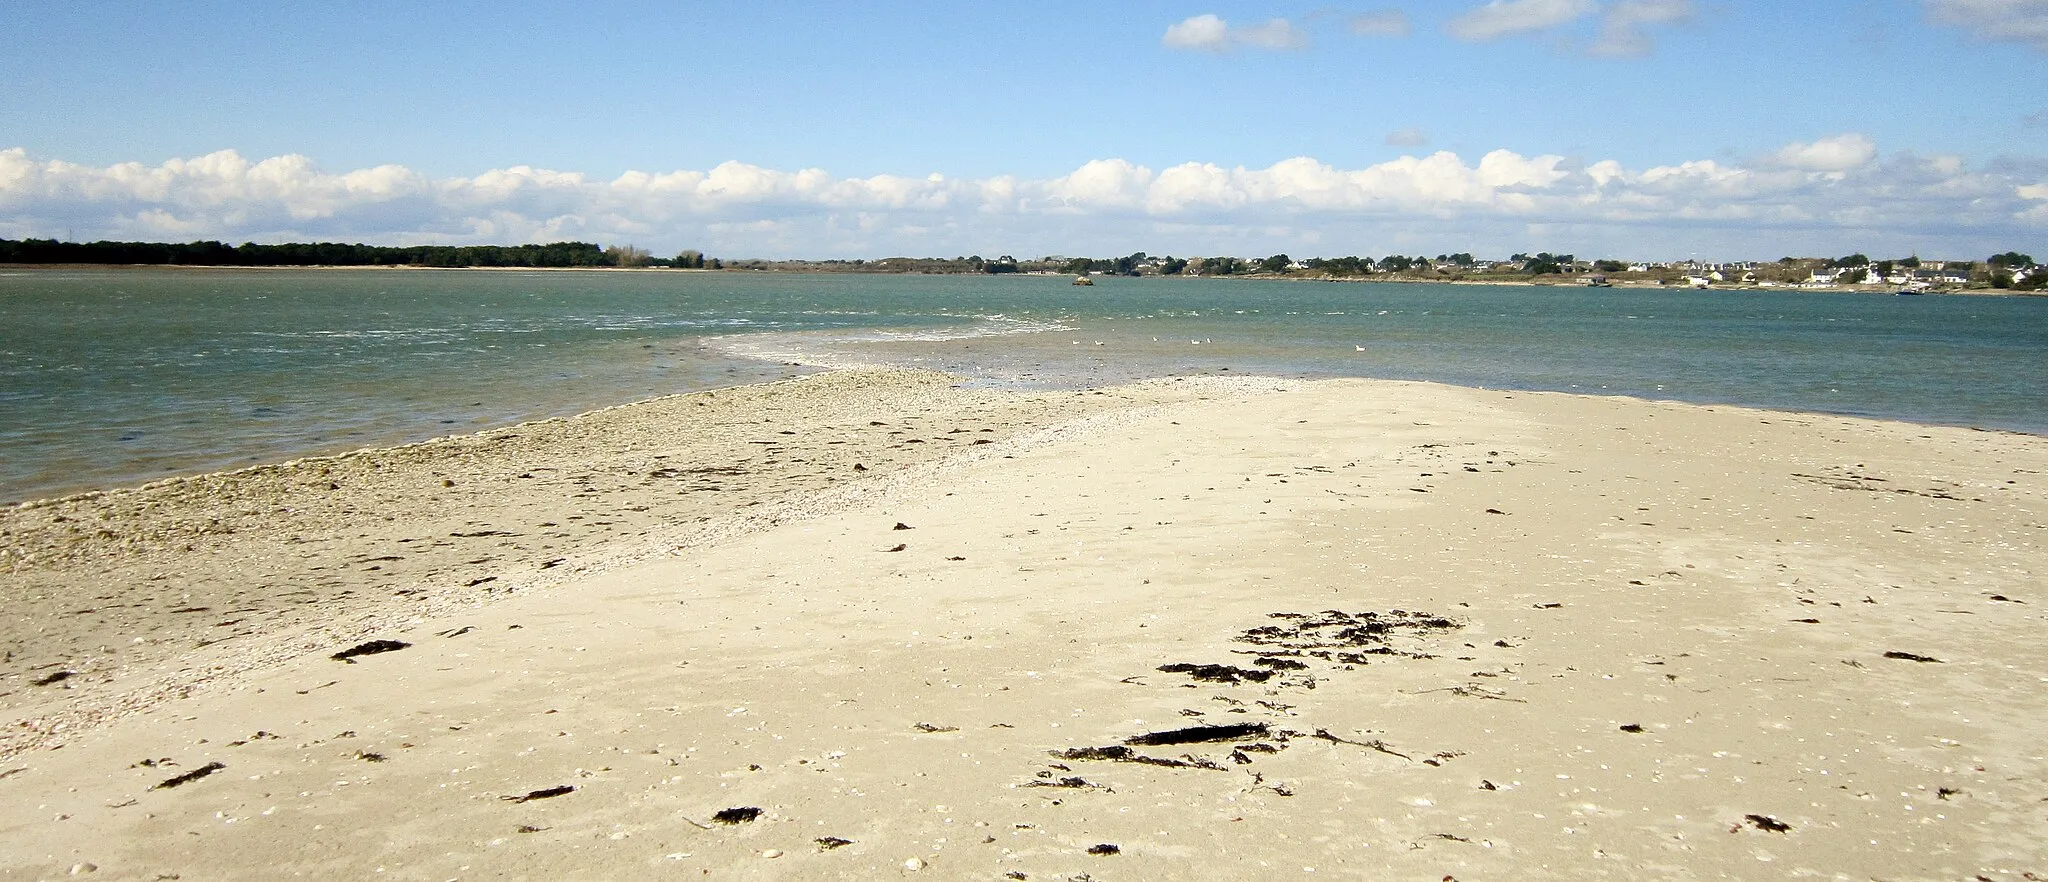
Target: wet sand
1182, 629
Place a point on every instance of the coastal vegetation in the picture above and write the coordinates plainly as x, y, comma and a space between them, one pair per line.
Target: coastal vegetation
2012, 270
210, 253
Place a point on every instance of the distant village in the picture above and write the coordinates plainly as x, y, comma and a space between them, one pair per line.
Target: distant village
2011, 271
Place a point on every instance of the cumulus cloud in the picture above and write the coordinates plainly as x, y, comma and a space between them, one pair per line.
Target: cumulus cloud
2015, 21
1624, 29
1381, 23
1204, 33
1408, 137
1209, 33
1506, 18
1827, 191
1838, 153
1276, 34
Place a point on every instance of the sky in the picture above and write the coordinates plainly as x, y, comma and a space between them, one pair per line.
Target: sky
1641, 129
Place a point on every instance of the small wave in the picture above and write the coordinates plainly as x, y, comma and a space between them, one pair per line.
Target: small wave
824, 348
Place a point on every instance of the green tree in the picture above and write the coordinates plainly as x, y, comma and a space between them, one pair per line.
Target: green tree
1276, 264
1173, 266
2011, 260
628, 256
1341, 266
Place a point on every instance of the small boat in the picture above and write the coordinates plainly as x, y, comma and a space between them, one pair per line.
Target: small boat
1084, 281
1599, 281
1907, 292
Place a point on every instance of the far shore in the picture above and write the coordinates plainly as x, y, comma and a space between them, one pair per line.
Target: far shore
1537, 282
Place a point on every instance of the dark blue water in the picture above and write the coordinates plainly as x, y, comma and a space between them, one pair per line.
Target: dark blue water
118, 376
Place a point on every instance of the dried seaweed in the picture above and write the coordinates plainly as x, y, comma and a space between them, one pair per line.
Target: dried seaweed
1200, 735
57, 677
1767, 823
1217, 673
1121, 754
190, 776
1907, 656
1335, 635
544, 793
1069, 782
372, 647
1279, 664
1375, 744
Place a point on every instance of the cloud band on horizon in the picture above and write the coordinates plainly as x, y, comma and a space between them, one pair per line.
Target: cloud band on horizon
1832, 188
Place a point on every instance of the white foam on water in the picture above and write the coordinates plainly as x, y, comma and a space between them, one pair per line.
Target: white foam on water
827, 349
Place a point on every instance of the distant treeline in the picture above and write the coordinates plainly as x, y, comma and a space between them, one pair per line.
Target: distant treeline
554, 254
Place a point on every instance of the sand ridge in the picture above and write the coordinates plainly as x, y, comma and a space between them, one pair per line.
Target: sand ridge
121, 598
1373, 629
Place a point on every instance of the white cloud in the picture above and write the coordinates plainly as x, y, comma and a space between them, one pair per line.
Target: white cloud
1381, 23
1209, 33
2014, 21
1408, 137
1838, 153
1205, 33
1101, 184
1505, 18
1276, 34
1624, 28
1828, 192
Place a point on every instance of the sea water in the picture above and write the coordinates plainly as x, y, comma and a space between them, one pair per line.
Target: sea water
116, 376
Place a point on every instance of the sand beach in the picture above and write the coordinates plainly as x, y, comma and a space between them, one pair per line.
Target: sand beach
875, 624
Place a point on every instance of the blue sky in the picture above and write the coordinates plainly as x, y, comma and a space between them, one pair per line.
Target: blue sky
1651, 127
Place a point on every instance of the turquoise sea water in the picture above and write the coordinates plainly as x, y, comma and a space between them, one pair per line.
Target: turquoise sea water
117, 376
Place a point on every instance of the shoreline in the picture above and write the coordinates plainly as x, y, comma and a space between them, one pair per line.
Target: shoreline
300, 553
1624, 284
138, 526
334, 453
1631, 629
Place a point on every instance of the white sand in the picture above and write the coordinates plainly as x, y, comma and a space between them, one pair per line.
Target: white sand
1611, 563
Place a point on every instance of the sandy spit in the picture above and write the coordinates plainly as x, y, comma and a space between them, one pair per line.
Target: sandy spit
115, 600
1195, 629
